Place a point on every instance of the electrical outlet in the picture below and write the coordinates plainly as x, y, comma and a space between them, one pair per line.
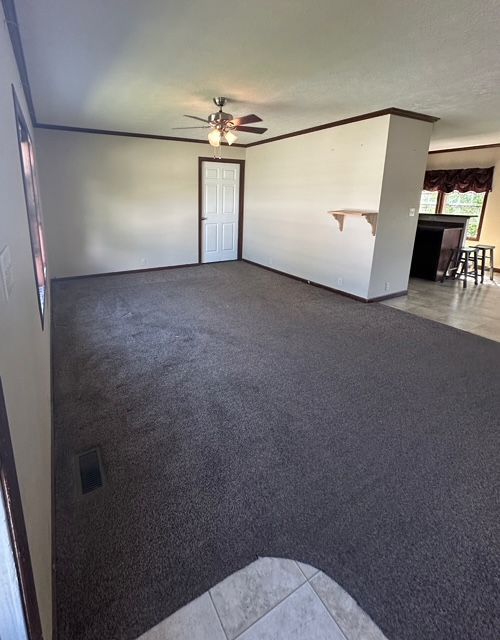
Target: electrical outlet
143, 261
412, 212
387, 286
340, 281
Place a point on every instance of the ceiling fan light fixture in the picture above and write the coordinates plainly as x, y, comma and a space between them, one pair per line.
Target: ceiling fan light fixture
214, 137
222, 125
230, 137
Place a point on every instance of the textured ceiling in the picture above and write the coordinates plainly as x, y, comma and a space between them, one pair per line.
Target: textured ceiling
138, 65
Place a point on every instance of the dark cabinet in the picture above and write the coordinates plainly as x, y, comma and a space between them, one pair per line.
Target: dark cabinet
434, 244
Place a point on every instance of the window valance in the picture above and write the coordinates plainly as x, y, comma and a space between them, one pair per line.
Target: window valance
463, 180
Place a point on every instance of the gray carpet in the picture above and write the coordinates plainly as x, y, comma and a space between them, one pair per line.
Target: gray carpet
241, 413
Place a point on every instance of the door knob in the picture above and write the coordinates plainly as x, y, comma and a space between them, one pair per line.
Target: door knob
203, 218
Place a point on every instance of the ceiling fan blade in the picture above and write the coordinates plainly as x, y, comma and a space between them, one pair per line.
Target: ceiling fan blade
207, 127
251, 129
196, 118
246, 119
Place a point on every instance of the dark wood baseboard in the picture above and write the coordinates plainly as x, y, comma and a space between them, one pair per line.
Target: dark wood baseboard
324, 286
388, 296
121, 273
305, 281
255, 264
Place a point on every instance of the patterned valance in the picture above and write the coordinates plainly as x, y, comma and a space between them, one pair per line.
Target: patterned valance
463, 180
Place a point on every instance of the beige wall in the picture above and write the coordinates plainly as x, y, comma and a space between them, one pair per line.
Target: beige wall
291, 184
24, 347
404, 169
376, 165
490, 232
114, 203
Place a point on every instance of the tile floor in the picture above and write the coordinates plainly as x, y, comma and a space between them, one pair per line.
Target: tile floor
475, 309
270, 599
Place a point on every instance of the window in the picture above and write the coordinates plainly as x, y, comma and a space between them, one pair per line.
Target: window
469, 203
456, 203
33, 207
428, 202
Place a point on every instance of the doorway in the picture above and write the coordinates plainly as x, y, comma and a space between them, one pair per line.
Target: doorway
19, 616
220, 186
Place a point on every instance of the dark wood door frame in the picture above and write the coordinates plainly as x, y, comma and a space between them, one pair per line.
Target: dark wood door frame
241, 200
15, 516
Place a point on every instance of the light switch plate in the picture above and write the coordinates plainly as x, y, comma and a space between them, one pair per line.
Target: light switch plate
412, 212
6, 271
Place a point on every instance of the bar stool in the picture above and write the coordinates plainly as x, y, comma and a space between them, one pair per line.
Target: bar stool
459, 265
486, 252
466, 256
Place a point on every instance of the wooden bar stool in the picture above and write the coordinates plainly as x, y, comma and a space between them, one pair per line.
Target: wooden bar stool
452, 264
466, 256
486, 252
459, 265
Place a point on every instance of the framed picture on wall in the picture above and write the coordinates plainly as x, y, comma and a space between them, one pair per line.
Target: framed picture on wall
33, 205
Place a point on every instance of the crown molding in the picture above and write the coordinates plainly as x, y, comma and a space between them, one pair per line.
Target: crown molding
390, 111
13, 27
473, 148
329, 125
125, 134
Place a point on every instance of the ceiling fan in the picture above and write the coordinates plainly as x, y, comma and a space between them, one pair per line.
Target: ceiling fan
223, 125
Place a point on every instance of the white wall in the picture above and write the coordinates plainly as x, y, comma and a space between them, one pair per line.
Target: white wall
290, 186
24, 347
405, 160
114, 203
490, 231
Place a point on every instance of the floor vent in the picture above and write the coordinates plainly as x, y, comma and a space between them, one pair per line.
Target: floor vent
91, 476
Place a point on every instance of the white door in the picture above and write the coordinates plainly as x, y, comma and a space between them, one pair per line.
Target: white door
12, 624
219, 211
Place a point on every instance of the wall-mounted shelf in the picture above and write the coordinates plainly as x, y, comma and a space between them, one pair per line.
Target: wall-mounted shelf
369, 216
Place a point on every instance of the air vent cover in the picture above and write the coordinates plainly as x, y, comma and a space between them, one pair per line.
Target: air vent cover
91, 476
